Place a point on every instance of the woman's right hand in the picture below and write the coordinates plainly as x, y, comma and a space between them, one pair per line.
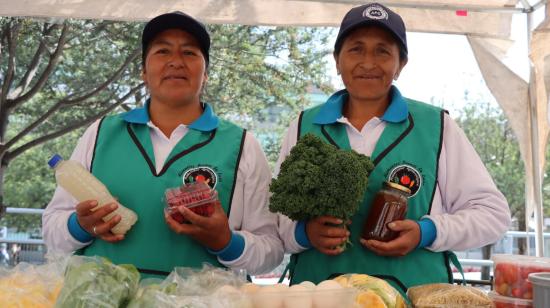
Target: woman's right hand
92, 221
325, 234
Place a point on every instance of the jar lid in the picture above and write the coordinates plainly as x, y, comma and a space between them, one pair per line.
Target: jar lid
397, 186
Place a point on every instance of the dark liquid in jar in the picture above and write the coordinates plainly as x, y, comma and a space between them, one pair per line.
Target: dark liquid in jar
388, 206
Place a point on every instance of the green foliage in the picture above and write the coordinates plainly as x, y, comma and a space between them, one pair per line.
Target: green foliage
319, 179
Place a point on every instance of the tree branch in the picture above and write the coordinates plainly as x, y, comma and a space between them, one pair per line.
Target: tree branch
34, 124
12, 35
18, 151
106, 83
54, 58
35, 62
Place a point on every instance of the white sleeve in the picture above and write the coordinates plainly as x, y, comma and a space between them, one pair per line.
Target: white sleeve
471, 212
250, 215
286, 226
56, 215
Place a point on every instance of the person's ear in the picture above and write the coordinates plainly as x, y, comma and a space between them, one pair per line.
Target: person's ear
337, 63
402, 64
143, 75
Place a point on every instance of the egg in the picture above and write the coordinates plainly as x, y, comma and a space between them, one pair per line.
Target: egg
227, 289
269, 297
298, 296
281, 287
308, 284
328, 294
250, 288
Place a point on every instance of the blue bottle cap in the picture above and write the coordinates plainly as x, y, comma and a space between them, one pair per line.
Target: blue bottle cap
54, 160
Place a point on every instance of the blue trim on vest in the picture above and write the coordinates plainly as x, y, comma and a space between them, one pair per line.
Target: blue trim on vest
428, 232
208, 120
76, 230
301, 235
233, 250
331, 111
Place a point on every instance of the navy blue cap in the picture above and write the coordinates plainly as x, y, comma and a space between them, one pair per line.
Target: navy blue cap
54, 160
372, 14
175, 20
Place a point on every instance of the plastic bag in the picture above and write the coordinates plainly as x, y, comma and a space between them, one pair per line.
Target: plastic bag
443, 295
96, 282
209, 287
28, 285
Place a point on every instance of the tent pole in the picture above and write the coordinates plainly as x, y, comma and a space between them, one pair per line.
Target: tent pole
537, 179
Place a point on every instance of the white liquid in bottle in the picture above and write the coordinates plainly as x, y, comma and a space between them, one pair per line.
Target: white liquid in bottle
83, 185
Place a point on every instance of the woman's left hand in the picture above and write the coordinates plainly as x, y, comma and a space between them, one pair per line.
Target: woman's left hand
408, 239
212, 232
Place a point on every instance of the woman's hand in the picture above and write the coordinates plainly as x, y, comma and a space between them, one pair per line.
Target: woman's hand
92, 221
212, 232
325, 235
408, 239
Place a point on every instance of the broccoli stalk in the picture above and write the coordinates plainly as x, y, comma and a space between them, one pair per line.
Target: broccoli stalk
318, 179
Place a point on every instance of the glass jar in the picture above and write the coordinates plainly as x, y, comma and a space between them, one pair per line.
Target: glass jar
389, 204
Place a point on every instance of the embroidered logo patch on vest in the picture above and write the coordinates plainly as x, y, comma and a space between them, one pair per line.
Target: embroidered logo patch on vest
201, 174
407, 176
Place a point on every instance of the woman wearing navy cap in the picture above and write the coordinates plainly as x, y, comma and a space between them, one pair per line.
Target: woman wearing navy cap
174, 139
454, 204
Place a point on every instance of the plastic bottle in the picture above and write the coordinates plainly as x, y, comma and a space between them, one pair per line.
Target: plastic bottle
82, 185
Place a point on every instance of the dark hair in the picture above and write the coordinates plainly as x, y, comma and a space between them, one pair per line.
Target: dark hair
175, 20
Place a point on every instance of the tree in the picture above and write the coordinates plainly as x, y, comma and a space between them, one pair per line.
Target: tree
490, 133
58, 76
79, 71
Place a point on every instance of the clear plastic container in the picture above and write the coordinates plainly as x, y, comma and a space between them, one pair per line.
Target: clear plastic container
500, 301
197, 196
83, 185
511, 274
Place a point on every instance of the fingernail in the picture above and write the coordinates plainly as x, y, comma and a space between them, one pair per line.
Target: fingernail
391, 224
113, 206
339, 221
94, 202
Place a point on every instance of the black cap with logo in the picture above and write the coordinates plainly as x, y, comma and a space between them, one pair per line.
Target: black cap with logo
372, 14
175, 20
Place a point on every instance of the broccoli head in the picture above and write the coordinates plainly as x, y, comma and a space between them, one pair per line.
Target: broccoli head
318, 179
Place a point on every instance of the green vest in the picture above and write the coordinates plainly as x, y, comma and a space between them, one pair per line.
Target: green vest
406, 151
124, 161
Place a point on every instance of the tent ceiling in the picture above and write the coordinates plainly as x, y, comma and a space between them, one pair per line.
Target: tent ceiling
484, 17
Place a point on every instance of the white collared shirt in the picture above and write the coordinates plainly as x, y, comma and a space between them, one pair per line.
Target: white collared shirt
468, 210
249, 217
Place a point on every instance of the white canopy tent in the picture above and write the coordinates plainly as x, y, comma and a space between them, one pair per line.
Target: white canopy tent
486, 23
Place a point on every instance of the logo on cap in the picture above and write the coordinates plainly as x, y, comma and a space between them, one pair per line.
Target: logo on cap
375, 12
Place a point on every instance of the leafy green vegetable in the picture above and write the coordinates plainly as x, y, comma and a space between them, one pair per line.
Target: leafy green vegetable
318, 179
96, 282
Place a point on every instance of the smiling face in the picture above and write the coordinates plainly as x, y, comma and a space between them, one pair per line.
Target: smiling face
368, 62
175, 68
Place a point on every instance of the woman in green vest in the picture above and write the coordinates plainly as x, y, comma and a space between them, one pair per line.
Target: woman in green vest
453, 205
174, 139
